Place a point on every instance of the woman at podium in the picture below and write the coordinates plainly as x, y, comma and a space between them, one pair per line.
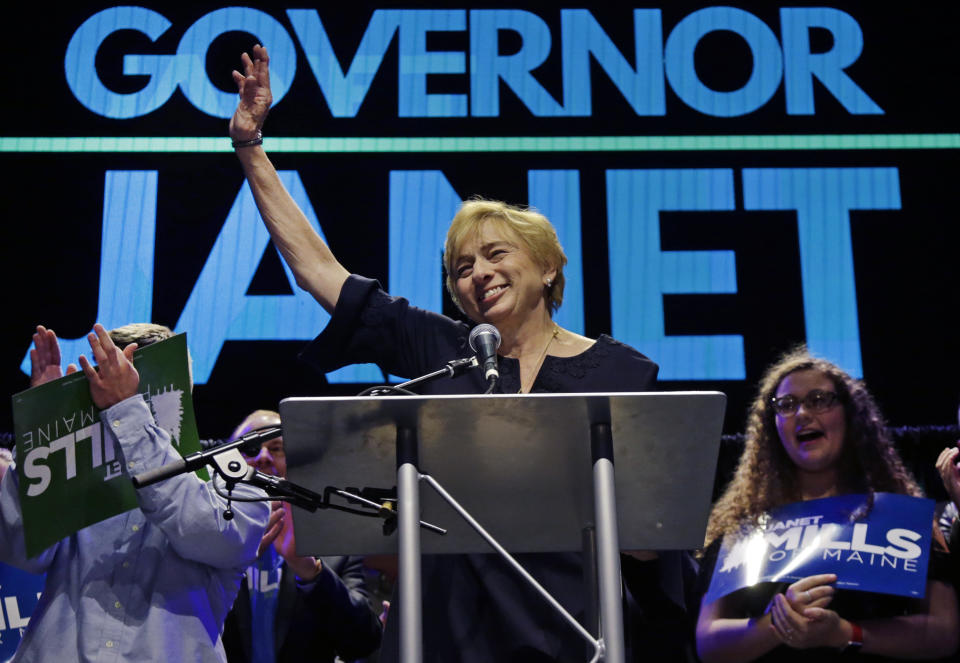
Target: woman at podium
814, 432
504, 266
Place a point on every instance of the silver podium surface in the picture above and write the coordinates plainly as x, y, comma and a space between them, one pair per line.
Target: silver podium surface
520, 464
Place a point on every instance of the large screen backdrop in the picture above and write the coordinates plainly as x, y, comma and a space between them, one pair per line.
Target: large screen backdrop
726, 181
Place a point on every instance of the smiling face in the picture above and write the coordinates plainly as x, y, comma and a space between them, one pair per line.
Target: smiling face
496, 278
813, 440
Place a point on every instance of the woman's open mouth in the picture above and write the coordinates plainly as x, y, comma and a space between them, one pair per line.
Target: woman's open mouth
492, 293
807, 436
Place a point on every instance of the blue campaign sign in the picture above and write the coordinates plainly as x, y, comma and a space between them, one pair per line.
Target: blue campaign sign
20, 592
883, 549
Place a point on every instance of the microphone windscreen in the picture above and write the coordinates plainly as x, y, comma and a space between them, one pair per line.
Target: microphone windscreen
479, 330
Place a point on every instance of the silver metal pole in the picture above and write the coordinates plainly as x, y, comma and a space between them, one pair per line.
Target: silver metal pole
608, 545
408, 532
531, 581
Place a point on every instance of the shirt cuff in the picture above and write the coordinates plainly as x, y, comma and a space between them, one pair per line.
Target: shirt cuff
139, 438
325, 352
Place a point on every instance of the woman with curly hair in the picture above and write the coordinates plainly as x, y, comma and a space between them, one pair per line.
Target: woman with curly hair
814, 432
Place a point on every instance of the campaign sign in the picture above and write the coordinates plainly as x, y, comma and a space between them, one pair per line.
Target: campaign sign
66, 464
883, 549
19, 593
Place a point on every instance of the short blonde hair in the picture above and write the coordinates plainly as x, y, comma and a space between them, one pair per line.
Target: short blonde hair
533, 229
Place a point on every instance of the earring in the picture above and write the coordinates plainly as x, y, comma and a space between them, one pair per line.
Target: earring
549, 282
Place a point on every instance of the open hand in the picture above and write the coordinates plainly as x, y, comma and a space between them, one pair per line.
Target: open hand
45, 358
116, 379
280, 534
255, 96
274, 526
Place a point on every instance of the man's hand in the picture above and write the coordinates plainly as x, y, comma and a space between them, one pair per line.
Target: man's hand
117, 379
45, 358
255, 96
947, 467
280, 534
274, 527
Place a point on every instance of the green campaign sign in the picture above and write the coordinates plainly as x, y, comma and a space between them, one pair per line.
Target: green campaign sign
70, 472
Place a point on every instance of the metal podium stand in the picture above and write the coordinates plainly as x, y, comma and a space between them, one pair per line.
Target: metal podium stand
509, 460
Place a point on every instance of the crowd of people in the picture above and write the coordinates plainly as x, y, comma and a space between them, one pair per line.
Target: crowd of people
176, 580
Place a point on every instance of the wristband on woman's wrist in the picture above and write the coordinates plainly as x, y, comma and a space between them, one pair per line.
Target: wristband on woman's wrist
249, 143
855, 643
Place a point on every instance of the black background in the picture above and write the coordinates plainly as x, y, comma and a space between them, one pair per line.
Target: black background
905, 260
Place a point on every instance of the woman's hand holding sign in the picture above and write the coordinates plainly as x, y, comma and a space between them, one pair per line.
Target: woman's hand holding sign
811, 592
800, 618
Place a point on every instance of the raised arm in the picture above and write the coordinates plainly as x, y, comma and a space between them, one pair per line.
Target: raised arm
337, 598
45, 367
316, 269
187, 510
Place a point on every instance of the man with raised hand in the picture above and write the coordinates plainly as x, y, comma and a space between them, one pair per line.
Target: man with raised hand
154, 583
296, 609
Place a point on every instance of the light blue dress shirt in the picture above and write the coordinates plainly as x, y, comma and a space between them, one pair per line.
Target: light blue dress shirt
152, 584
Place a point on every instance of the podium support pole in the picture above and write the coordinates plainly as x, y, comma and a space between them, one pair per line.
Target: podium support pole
608, 543
349, 441
408, 532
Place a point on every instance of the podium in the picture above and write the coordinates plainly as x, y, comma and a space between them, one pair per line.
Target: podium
527, 472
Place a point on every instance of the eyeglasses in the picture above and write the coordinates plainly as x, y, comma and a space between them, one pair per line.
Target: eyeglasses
252, 452
815, 401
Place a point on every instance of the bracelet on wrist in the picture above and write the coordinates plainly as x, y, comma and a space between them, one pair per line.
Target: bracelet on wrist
249, 143
855, 643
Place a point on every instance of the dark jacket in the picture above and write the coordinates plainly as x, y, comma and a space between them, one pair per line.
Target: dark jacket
315, 622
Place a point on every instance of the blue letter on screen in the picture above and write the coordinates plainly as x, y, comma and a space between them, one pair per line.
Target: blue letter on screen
192, 56
642, 86
344, 92
126, 255
81, 70
488, 67
641, 273
416, 62
823, 198
682, 72
556, 193
422, 202
219, 309
802, 66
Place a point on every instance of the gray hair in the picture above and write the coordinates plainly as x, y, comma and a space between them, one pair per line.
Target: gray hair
141, 333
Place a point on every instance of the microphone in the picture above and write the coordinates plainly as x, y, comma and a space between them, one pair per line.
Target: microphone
484, 340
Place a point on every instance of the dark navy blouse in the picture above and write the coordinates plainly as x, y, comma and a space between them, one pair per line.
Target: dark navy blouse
475, 608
